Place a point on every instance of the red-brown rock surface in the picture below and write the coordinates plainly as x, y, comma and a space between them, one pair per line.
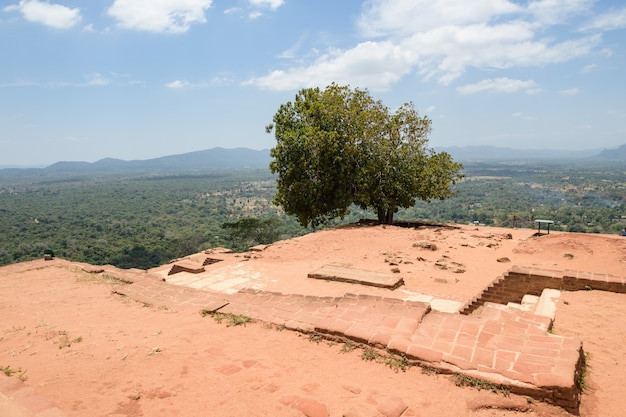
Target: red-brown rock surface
92, 352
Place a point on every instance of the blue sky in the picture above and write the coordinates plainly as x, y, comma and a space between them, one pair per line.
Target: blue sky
137, 79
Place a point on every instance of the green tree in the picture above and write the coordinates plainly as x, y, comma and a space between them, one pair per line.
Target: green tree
338, 146
249, 231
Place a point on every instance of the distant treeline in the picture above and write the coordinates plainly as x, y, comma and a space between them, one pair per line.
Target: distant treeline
143, 221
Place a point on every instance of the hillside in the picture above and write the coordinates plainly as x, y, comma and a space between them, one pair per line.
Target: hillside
207, 160
210, 159
613, 155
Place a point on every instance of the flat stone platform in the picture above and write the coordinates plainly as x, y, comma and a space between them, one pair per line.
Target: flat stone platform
356, 276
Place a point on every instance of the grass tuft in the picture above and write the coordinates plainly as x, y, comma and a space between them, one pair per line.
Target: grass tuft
581, 379
461, 380
8, 371
232, 319
370, 354
348, 346
315, 337
397, 363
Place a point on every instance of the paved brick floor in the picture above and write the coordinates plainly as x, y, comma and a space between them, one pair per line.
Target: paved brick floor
512, 349
515, 350
19, 400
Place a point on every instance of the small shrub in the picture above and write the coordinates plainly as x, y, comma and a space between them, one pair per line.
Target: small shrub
277, 327
315, 337
397, 363
348, 346
238, 319
8, 371
62, 338
370, 354
430, 370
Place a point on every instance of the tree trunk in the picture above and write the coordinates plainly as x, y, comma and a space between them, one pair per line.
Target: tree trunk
385, 216
381, 216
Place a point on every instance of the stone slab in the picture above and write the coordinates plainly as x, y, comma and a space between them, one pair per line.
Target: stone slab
445, 306
357, 276
546, 306
186, 266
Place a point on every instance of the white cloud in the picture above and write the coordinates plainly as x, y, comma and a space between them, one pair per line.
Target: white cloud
405, 17
441, 40
216, 81
619, 113
53, 15
96, 79
291, 51
614, 19
520, 115
589, 68
90, 80
498, 85
262, 4
606, 52
373, 65
446, 52
551, 12
570, 92
19, 83
273, 4
254, 8
174, 16
177, 84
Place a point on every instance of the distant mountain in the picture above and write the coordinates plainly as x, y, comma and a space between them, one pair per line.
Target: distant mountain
216, 158
615, 155
245, 158
497, 154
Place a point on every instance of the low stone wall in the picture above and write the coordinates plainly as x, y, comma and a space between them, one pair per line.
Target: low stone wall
519, 281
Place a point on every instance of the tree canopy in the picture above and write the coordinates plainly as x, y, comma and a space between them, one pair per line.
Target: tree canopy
338, 146
250, 231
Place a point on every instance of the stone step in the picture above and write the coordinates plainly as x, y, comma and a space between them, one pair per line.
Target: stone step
357, 276
530, 300
546, 306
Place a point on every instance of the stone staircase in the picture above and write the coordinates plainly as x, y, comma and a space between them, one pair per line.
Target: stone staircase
539, 310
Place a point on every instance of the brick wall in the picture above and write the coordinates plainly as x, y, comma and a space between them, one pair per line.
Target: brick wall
518, 281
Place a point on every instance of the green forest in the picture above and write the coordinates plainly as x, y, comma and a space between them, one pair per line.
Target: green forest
145, 220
